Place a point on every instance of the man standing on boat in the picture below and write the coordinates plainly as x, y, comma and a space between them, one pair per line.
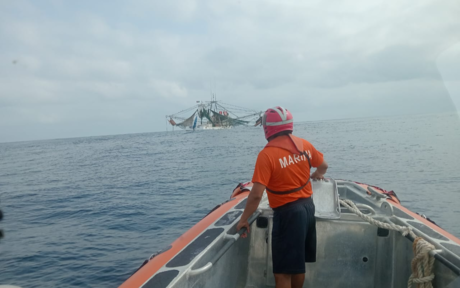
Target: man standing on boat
283, 170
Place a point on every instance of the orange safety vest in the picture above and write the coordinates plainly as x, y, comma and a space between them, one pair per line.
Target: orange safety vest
294, 145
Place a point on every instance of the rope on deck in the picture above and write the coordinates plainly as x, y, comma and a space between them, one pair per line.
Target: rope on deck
422, 264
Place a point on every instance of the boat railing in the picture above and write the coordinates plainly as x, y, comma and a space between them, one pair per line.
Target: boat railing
232, 239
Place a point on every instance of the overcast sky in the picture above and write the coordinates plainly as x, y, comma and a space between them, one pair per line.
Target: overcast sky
86, 68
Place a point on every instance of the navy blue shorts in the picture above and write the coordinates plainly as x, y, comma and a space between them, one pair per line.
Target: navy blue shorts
294, 236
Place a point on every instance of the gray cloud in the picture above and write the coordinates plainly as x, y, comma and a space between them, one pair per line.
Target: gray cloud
129, 65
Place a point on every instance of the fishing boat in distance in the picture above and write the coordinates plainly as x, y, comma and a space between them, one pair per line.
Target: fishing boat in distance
212, 115
366, 238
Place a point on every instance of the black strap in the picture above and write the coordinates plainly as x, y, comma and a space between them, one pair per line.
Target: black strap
308, 158
296, 189
289, 191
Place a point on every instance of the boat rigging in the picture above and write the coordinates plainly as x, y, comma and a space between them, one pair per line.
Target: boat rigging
214, 115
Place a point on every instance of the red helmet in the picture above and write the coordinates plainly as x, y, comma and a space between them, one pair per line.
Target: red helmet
276, 120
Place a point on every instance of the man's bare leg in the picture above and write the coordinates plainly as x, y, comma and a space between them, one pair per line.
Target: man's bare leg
283, 280
297, 280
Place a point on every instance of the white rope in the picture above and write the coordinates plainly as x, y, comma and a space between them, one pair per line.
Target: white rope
390, 226
422, 264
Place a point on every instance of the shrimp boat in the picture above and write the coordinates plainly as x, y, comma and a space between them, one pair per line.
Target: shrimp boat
365, 237
214, 115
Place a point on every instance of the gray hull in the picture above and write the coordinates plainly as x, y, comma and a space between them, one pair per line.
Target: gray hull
350, 251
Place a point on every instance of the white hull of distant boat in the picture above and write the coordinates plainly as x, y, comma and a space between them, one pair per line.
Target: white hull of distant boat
209, 127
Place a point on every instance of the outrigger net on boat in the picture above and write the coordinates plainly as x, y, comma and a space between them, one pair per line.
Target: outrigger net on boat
215, 115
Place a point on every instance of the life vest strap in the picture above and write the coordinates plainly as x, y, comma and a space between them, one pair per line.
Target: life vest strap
289, 191
308, 158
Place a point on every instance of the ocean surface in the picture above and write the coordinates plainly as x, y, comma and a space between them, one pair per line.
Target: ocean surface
86, 212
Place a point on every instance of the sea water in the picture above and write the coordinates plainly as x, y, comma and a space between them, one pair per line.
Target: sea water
86, 212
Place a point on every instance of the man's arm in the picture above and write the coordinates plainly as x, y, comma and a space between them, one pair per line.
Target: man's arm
320, 171
251, 206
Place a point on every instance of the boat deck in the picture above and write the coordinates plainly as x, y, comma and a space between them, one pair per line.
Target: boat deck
350, 251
